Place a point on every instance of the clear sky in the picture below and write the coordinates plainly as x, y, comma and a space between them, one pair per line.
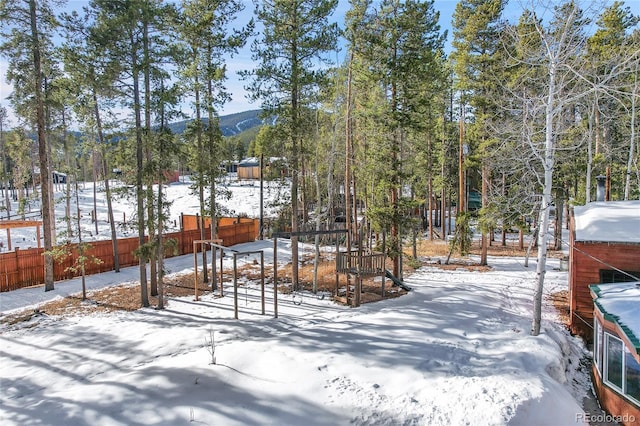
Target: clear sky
240, 62
243, 60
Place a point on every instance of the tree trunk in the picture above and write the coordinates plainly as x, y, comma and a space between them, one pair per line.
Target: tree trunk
153, 267
485, 202
5, 165
159, 241
142, 262
348, 158
201, 168
96, 168
213, 160
589, 159
112, 223
632, 139
45, 172
430, 187
558, 221
549, 160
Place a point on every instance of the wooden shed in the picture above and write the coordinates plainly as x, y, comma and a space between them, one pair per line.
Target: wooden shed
249, 168
604, 248
274, 168
616, 349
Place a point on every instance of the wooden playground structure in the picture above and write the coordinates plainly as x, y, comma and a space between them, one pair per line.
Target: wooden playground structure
356, 265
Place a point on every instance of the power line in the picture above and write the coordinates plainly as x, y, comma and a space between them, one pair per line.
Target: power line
600, 260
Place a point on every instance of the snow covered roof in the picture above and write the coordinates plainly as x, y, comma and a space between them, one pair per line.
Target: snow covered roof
608, 221
249, 162
619, 303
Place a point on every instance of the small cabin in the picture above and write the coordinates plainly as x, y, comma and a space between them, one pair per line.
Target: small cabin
274, 168
604, 247
616, 349
249, 168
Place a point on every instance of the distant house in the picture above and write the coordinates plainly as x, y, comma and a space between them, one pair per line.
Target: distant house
474, 200
171, 176
229, 166
58, 177
249, 168
604, 248
274, 167
616, 349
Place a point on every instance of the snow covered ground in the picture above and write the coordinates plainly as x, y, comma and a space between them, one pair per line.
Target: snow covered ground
244, 199
454, 351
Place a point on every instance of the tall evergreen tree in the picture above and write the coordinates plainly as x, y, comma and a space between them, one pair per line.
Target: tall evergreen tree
476, 32
614, 127
296, 34
93, 78
120, 31
27, 26
208, 38
402, 48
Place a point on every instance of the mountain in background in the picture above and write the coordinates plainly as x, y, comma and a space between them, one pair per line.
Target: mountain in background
230, 125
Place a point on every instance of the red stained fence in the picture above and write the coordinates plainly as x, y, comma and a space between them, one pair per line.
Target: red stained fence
25, 268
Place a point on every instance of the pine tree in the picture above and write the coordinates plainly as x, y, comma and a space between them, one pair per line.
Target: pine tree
30, 23
205, 32
401, 51
119, 30
93, 78
476, 40
612, 46
296, 33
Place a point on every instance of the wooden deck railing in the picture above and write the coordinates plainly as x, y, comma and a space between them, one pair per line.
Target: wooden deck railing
360, 263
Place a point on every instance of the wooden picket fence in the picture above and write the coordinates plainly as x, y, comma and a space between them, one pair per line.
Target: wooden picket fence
25, 267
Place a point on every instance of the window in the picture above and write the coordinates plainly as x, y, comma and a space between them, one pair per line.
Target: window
616, 364
613, 370
597, 345
613, 276
632, 376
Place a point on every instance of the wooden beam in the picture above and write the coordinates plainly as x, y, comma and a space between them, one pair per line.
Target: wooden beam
12, 224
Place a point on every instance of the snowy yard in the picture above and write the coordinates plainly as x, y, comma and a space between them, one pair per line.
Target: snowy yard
244, 199
454, 351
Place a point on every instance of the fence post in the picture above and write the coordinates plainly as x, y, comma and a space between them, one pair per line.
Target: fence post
275, 277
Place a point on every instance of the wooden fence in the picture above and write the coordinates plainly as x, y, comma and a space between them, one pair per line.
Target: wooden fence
25, 268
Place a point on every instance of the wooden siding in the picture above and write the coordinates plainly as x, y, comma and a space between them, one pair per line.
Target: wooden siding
585, 263
248, 172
